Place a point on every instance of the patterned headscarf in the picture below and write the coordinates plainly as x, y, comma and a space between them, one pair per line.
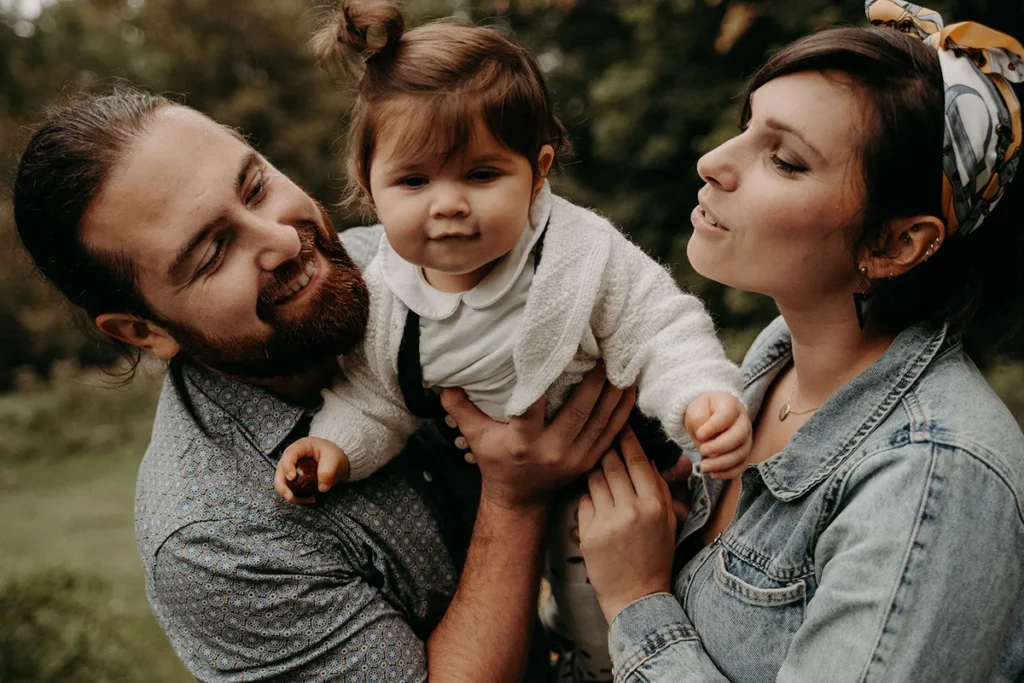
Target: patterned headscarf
982, 139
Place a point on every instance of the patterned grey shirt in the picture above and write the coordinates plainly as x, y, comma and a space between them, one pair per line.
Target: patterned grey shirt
249, 587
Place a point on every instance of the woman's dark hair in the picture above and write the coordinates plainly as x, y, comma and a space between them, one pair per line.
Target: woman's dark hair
65, 165
975, 282
431, 83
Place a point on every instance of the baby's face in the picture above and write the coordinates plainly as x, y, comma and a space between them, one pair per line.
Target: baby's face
454, 216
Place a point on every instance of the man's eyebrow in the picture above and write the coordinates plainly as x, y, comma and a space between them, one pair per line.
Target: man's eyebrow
775, 124
174, 273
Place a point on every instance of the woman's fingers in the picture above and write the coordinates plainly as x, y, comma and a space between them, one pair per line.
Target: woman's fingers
600, 494
641, 472
618, 479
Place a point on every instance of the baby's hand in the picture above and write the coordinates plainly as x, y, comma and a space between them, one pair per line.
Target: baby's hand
719, 426
332, 465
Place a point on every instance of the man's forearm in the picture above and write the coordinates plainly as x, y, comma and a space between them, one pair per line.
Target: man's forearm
485, 634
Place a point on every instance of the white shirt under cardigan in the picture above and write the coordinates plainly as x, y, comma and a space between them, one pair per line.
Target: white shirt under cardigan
524, 331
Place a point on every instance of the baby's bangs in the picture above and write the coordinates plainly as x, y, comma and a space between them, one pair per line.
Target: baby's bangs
427, 129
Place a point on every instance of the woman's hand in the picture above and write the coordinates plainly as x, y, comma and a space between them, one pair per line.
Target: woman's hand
524, 462
627, 529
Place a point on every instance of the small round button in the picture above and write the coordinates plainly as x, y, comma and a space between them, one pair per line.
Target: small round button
461, 443
450, 421
470, 458
428, 477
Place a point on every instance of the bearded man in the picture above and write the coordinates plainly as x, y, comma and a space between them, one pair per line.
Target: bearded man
178, 239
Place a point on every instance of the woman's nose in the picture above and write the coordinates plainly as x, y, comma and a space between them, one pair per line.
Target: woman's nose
449, 200
717, 168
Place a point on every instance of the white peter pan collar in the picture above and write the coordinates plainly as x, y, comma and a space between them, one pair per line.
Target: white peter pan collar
406, 280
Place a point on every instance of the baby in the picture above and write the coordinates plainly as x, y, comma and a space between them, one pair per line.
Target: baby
487, 281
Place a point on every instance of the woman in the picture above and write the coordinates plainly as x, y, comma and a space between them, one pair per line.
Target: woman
880, 533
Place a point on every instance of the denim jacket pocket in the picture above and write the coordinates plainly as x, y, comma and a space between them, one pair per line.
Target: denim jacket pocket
771, 611
730, 572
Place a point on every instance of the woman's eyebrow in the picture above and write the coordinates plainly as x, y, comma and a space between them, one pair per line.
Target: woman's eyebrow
775, 124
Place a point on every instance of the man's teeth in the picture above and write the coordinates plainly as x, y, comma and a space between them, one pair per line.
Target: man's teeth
302, 280
710, 219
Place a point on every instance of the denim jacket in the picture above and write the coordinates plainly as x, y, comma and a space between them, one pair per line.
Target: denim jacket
884, 543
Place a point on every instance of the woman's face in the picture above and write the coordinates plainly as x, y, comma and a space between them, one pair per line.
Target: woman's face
775, 214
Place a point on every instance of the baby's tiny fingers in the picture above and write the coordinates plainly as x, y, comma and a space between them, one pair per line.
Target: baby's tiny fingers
730, 473
732, 438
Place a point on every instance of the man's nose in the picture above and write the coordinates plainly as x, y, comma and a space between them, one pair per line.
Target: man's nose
449, 200
276, 243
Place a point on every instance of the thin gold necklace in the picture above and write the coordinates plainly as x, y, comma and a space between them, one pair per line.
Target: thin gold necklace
786, 411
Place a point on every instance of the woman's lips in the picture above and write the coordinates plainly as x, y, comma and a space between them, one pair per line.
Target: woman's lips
704, 220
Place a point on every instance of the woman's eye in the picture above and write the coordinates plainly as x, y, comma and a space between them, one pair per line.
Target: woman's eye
786, 167
212, 262
483, 174
413, 181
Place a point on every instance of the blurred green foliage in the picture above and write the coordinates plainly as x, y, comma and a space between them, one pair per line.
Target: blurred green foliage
645, 86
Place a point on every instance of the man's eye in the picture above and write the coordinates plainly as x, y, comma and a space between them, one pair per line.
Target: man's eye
484, 174
257, 190
413, 181
215, 259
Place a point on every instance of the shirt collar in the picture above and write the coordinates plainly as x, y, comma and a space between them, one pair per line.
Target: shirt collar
226, 405
406, 280
842, 423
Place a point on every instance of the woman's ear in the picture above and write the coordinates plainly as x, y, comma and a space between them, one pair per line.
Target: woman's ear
137, 332
907, 243
545, 158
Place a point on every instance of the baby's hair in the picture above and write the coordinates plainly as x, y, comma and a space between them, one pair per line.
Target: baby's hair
430, 84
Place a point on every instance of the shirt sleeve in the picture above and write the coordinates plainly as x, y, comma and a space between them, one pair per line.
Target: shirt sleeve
246, 602
933, 602
655, 335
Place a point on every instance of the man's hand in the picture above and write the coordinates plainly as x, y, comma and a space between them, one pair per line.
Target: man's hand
523, 462
719, 426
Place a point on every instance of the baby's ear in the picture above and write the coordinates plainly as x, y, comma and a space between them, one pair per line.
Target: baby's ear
545, 159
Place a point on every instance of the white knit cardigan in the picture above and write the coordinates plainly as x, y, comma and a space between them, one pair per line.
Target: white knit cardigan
595, 295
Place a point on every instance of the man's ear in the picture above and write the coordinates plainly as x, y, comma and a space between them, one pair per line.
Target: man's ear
138, 332
907, 243
545, 158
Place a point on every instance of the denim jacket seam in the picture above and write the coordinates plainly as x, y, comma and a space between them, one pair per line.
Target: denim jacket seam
987, 463
764, 563
653, 644
912, 543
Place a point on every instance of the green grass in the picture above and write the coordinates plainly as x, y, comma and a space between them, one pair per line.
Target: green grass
69, 570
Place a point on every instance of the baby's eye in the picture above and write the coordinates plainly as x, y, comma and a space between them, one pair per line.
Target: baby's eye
413, 181
484, 174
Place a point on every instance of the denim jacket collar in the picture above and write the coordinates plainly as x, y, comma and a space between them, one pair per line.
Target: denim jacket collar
842, 423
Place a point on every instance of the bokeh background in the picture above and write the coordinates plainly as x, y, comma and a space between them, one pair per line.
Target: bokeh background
645, 87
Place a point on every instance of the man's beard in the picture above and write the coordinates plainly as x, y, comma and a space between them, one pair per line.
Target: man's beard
333, 321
